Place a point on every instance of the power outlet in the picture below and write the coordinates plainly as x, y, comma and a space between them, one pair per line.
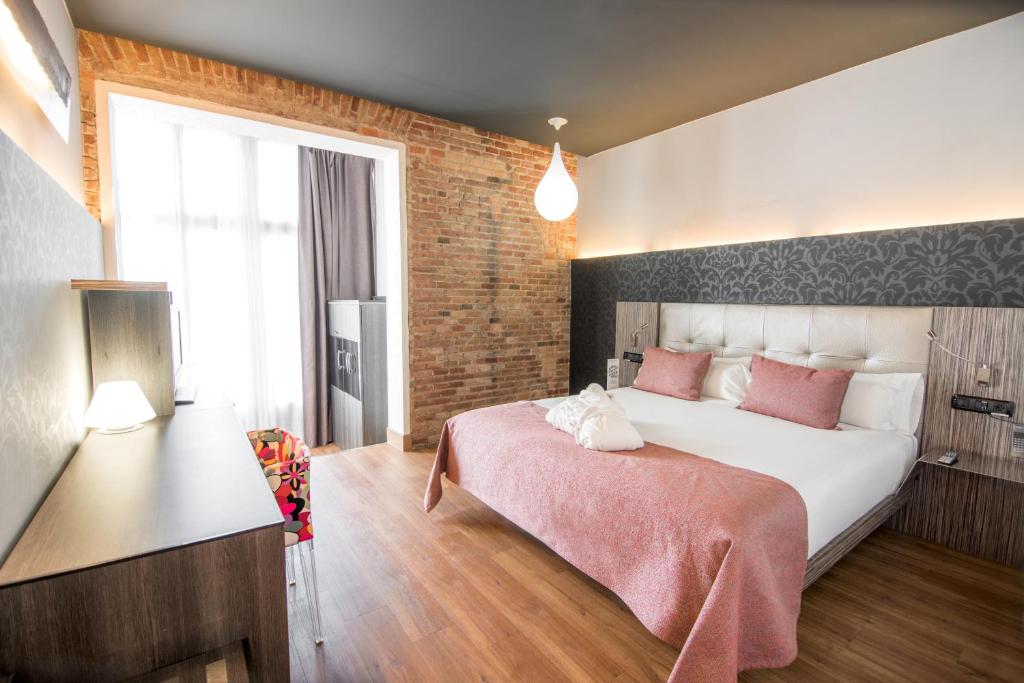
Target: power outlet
977, 404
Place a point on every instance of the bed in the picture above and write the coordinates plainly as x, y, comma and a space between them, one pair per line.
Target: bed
840, 475
761, 507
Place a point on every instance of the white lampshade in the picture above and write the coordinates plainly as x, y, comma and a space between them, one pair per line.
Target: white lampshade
118, 407
556, 194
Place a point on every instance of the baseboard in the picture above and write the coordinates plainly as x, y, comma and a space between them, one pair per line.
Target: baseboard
402, 441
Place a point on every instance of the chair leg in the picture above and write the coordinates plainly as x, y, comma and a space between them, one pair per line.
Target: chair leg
289, 564
312, 591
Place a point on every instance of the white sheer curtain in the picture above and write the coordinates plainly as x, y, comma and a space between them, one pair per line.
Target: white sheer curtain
215, 214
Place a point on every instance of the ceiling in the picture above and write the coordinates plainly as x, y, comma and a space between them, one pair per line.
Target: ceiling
617, 69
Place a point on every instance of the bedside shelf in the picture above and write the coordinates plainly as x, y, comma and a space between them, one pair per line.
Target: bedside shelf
118, 286
1008, 468
975, 506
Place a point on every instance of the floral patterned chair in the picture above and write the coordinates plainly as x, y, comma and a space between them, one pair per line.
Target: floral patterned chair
285, 461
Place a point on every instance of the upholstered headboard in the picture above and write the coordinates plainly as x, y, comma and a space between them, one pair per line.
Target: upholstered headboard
862, 338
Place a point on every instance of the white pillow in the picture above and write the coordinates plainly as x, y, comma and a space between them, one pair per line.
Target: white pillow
888, 402
727, 378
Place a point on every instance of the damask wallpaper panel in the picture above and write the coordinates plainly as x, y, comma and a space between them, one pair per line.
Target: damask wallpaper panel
46, 238
964, 264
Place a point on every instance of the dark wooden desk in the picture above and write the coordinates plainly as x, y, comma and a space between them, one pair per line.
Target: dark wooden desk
152, 547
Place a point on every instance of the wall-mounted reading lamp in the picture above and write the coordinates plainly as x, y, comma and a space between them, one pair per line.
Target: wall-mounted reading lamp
29, 51
634, 337
637, 354
984, 375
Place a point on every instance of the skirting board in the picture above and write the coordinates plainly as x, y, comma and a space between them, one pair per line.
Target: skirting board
401, 441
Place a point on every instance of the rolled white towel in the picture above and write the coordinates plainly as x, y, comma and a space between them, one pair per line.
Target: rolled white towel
595, 421
566, 415
607, 428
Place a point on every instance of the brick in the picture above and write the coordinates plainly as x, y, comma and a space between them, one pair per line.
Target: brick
488, 277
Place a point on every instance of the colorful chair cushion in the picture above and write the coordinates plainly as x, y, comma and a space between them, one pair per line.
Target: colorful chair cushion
288, 478
277, 445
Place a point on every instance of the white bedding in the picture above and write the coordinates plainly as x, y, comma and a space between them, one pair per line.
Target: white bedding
840, 474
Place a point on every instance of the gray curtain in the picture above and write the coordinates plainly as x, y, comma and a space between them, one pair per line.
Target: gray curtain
336, 261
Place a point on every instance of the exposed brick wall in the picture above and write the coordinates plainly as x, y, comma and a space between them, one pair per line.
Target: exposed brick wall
488, 277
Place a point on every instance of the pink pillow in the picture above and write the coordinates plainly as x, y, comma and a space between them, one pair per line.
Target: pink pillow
795, 393
673, 374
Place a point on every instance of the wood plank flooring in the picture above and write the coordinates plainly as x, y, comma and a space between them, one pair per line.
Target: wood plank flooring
463, 595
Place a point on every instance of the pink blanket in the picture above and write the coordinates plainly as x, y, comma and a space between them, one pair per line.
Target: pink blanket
709, 557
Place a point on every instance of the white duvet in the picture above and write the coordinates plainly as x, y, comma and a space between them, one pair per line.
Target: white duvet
840, 474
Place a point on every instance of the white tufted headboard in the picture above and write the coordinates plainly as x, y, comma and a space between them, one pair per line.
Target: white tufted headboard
862, 338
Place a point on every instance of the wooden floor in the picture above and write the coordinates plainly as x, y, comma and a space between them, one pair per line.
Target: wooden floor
462, 595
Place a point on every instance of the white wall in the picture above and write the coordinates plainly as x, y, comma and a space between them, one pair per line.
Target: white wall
24, 122
931, 135
48, 238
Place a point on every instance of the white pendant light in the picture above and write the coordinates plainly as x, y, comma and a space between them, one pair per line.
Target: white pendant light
556, 194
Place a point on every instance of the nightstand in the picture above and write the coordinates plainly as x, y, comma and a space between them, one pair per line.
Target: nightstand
976, 506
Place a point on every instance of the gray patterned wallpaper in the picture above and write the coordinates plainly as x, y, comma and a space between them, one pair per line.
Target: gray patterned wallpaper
965, 264
46, 238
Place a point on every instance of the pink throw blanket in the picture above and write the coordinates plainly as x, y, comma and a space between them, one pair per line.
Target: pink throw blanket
709, 557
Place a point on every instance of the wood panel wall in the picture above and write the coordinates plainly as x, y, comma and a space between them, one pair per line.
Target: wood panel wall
973, 513
993, 335
631, 316
976, 506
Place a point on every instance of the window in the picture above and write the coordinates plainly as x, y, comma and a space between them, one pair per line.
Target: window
213, 212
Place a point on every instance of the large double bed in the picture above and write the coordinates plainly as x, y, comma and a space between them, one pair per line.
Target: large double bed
711, 530
840, 474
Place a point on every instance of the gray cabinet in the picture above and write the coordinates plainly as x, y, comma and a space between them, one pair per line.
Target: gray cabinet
359, 399
337, 416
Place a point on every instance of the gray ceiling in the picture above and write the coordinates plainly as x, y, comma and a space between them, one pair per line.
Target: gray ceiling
617, 69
